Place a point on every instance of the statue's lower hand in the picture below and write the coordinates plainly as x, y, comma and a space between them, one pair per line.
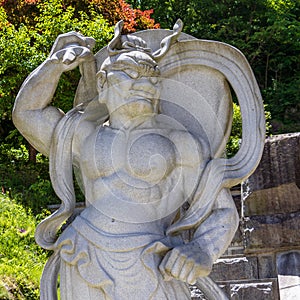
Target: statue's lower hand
71, 49
186, 263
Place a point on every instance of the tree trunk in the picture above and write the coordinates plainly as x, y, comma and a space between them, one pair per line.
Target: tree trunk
32, 154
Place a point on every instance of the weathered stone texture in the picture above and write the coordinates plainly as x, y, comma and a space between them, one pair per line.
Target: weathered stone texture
267, 266
274, 187
273, 231
260, 290
271, 196
236, 267
245, 290
278, 165
288, 263
274, 200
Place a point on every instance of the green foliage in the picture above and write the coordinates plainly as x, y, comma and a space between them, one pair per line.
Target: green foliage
21, 260
235, 138
27, 183
234, 141
55, 18
24, 47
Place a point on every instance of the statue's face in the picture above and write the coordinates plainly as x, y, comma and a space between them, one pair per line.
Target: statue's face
132, 77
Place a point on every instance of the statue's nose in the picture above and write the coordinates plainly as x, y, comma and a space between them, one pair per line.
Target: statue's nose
146, 84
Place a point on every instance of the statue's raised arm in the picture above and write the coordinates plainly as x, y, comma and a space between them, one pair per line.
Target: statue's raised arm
33, 115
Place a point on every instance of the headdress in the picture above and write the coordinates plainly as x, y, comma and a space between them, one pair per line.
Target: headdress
126, 43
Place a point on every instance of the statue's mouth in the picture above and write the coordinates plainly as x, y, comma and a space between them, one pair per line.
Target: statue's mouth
146, 95
139, 99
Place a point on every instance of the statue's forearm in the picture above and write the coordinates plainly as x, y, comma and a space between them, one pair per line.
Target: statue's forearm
215, 234
32, 114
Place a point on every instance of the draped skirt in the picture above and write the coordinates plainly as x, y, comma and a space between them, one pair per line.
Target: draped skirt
99, 265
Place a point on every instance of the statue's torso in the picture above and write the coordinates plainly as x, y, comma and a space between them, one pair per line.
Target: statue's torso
123, 169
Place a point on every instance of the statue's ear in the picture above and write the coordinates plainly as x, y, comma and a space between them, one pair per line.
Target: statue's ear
101, 76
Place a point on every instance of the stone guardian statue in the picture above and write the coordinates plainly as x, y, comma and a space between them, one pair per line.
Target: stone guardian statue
145, 139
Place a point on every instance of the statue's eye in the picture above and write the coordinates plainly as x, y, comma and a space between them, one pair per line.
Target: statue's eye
132, 73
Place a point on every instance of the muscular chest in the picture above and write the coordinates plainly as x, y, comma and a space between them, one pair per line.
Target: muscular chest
144, 154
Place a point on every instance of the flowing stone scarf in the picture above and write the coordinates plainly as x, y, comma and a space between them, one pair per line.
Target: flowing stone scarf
61, 173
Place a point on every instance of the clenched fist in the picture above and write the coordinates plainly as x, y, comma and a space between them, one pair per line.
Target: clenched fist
186, 263
71, 49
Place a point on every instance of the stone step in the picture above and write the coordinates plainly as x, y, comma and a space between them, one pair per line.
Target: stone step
264, 289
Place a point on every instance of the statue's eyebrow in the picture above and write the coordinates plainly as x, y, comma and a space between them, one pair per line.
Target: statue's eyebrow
134, 65
147, 63
122, 65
